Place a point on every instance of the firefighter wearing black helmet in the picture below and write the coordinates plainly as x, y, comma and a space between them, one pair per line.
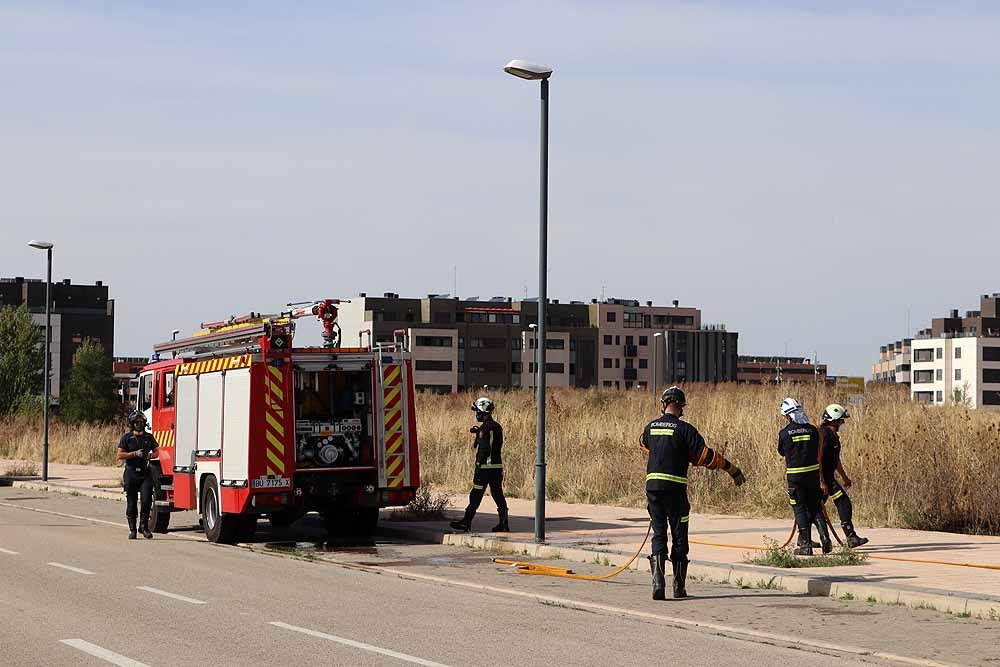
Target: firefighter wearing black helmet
834, 417
136, 448
487, 441
673, 446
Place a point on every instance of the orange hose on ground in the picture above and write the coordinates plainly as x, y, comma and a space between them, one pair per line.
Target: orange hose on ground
549, 571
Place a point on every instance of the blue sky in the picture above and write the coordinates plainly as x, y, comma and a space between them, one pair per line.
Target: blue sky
805, 175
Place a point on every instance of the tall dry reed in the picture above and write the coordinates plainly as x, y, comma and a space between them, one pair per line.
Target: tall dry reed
913, 465
21, 438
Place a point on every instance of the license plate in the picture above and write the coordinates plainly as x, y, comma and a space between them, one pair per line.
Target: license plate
271, 482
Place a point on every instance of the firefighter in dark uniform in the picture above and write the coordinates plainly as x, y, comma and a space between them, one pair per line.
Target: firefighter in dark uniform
829, 447
487, 442
136, 448
673, 446
798, 442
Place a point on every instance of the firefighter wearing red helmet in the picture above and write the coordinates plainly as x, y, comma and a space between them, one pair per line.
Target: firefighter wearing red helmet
674, 445
136, 448
487, 442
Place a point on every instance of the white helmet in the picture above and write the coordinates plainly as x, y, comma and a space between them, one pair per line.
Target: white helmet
834, 412
483, 404
790, 405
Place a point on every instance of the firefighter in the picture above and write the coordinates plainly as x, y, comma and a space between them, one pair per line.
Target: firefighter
136, 448
674, 445
489, 467
798, 442
834, 417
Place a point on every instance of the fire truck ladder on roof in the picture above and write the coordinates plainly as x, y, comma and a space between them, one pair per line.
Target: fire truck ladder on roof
243, 337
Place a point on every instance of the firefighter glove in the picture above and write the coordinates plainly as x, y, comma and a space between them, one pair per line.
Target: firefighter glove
738, 477
140, 453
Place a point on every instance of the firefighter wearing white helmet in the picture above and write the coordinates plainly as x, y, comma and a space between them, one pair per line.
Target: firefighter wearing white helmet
487, 442
674, 445
798, 442
834, 417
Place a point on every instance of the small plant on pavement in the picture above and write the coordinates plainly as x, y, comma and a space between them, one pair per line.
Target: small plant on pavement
775, 555
22, 469
427, 505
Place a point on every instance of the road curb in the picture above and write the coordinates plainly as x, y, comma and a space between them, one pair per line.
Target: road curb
749, 576
65, 489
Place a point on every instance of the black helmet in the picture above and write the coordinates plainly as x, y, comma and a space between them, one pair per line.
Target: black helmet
136, 416
673, 395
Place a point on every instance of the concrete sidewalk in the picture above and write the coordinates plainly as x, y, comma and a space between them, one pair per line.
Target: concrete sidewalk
911, 567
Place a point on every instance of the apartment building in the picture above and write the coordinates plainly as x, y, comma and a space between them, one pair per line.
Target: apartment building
78, 312
894, 363
961, 368
470, 343
779, 370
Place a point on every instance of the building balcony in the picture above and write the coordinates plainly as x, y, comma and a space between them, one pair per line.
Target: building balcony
631, 351
631, 374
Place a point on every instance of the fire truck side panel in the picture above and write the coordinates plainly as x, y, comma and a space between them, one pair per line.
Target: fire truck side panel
209, 412
413, 459
186, 441
272, 449
236, 428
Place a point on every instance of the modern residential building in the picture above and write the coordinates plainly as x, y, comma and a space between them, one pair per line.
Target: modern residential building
957, 359
779, 370
894, 363
469, 343
126, 373
78, 312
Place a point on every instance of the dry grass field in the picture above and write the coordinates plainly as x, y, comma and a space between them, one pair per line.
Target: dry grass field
912, 465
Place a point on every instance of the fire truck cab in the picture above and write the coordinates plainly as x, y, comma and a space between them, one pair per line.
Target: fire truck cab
250, 426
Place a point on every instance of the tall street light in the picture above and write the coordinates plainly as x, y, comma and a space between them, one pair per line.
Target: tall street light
531, 72
534, 341
47, 247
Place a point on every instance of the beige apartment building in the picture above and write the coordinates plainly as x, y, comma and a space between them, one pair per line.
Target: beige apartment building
894, 363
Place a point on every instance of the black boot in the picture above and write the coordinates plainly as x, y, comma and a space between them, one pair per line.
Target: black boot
824, 535
503, 526
131, 527
144, 529
464, 524
657, 566
680, 578
853, 540
804, 545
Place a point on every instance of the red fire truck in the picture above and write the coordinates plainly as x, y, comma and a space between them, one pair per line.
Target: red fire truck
249, 425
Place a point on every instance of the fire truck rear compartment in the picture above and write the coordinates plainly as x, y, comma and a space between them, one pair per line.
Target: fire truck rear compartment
333, 419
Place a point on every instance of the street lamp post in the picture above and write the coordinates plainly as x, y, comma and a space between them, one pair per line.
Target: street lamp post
525, 70
655, 345
534, 378
47, 247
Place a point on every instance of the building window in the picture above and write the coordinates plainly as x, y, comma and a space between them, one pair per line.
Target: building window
432, 365
643, 363
608, 340
487, 367
923, 396
643, 340
938, 374
939, 397
991, 375
488, 343
618, 340
632, 320
607, 384
923, 355
611, 316
940, 352
516, 344
991, 397
958, 353
607, 363
572, 369
515, 367
555, 368
555, 344
923, 377
433, 341
630, 363
461, 367
958, 374
991, 353
618, 385
630, 340
461, 342
618, 363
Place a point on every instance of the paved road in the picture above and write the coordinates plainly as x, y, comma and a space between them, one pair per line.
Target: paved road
75, 592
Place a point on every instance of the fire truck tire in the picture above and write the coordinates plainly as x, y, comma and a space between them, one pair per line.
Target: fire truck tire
248, 527
159, 518
219, 527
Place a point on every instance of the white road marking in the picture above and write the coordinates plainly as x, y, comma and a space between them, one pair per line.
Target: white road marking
8, 552
102, 653
167, 594
78, 570
364, 647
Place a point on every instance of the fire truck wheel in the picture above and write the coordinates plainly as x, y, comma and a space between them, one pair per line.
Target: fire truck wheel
160, 517
248, 527
219, 527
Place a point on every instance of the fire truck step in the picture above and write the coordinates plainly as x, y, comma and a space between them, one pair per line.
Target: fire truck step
167, 487
163, 503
